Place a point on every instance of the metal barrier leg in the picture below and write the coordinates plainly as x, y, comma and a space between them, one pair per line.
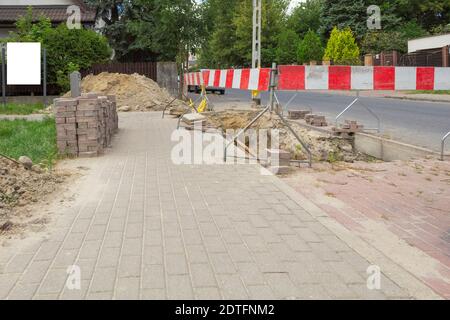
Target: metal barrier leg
443, 145
378, 129
286, 123
170, 103
242, 131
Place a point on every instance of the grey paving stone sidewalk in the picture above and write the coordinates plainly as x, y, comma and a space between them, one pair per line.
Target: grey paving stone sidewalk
155, 230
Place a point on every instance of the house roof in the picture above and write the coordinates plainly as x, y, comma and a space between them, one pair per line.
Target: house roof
56, 13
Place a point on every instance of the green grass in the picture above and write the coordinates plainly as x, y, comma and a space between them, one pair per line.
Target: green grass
430, 92
20, 109
34, 139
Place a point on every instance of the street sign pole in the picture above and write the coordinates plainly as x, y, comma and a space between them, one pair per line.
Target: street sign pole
4, 75
44, 80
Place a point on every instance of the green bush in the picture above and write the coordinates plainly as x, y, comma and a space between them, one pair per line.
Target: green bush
310, 48
342, 48
67, 49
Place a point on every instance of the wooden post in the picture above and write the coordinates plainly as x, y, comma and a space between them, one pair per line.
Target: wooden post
445, 56
394, 58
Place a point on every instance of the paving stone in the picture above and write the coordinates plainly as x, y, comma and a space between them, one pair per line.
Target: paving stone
153, 255
231, 287
176, 264
127, 289
179, 287
18, 263
222, 263
23, 291
261, 292
153, 294
250, 273
202, 275
282, 285
196, 254
7, 282
103, 280
130, 266
153, 277
211, 293
54, 282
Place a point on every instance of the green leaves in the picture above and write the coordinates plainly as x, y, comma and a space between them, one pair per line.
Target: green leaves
310, 48
342, 48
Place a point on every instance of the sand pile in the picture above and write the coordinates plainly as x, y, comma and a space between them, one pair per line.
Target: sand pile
133, 92
20, 187
324, 147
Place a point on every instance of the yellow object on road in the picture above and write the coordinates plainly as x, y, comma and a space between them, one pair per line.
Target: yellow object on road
255, 94
202, 106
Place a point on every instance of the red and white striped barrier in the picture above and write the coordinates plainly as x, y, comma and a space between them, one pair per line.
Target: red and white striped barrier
326, 78
362, 78
244, 79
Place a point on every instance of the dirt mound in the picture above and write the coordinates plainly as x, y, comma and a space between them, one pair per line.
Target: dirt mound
133, 92
324, 147
19, 188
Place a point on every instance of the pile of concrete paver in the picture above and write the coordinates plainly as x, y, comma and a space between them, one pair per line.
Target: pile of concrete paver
85, 125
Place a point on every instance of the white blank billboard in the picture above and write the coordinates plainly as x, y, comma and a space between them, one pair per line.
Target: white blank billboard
23, 63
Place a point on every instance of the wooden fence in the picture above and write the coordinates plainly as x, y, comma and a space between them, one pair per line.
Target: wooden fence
424, 58
148, 69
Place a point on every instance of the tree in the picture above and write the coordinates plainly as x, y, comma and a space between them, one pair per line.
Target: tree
287, 47
218, 51
273, 23
67, 49
428, 13
342, 48
377, 41
310, 48
342, 14
305, 17
151, 29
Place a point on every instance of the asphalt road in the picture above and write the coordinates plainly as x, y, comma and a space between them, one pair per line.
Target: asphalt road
415, 122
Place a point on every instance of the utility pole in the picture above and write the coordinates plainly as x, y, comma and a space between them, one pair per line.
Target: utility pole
256, 47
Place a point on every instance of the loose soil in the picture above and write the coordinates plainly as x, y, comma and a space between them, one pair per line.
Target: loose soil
324, 147
133, 92
20, 191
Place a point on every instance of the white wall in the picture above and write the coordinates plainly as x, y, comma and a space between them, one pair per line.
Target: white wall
34, 2
429, 43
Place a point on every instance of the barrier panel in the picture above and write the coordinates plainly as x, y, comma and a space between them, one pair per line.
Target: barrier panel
362, 78
326, 78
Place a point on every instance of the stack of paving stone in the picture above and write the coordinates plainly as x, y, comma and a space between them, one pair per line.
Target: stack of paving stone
349, 127
93, 121
66, 127
297, 114
193, 121
316, 120
278, 161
